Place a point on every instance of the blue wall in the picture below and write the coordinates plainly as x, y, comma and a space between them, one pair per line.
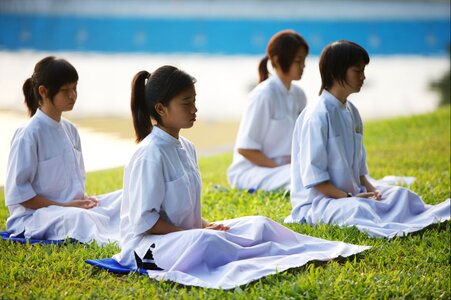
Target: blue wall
214, 36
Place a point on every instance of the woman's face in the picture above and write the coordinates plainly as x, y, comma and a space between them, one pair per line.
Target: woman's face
181, 111
355, 76
64, 100
298, 65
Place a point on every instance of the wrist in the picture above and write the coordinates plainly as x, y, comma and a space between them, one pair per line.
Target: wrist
63, 204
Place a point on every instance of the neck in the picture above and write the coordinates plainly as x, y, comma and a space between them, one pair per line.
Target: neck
286, 81
339, 92
171, 131
50, 111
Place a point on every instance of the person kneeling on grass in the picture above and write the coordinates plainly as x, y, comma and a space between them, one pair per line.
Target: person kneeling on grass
162, 228
45, 185
330, 182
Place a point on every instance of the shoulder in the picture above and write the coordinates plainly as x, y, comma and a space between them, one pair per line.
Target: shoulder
318, 110
188, 145
299, 96
264, 91
298, 90
69, 125
353, 108
148, 152
28, 132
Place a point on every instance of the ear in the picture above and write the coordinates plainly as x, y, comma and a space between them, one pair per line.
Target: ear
42, 92
161, 109
275, 62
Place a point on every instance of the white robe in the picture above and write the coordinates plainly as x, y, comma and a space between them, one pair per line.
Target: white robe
267, 125
46, 159
162, 180
327, 145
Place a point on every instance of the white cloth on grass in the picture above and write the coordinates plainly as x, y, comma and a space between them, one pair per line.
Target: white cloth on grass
267, 125
327, 145
46, 159
253, 248
162, 180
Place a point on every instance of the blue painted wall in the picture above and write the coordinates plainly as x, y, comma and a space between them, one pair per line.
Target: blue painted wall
214, 36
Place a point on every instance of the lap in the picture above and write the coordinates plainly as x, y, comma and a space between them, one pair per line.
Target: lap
395, 203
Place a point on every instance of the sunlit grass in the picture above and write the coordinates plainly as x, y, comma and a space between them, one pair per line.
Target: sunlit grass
416, 266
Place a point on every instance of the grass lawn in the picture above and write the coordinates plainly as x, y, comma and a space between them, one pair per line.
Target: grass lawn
416, 266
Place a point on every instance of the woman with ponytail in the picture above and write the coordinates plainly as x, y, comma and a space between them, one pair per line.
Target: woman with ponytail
261, 158
45, 185
162, 229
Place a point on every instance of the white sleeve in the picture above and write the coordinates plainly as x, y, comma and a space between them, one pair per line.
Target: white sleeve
363, 165
146, 194
81, 162
302, 99
254, 124
22, 168
313, 152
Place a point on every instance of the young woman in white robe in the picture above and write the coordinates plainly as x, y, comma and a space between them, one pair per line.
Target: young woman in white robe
162, 228
262, 153
45, 185
330, 181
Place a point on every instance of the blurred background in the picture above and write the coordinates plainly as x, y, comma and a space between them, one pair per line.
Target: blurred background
220, 42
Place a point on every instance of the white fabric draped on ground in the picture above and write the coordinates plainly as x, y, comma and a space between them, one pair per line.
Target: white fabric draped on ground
400, 212
100, 224
254, 247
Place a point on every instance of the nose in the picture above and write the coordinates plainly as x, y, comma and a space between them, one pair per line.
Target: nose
73, 94
194, 110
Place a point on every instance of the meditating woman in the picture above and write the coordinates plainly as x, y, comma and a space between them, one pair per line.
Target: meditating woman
262, 154
330, 182
45, 185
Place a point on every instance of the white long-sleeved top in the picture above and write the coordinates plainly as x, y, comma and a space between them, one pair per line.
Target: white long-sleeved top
162, 180
45, 159
266, 125
327, 145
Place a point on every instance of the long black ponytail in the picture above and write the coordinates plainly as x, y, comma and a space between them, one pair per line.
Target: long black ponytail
149, 89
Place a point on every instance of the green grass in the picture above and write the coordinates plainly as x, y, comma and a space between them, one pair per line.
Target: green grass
416, 266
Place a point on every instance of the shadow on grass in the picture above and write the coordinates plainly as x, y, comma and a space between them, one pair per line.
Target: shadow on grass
441, 226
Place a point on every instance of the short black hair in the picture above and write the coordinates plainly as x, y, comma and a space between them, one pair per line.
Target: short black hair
335, 60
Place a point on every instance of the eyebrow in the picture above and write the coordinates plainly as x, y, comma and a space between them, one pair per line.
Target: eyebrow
189, 98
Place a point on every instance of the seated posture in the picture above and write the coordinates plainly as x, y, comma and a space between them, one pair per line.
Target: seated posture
45, 186
261, 158
162, 228
330, 181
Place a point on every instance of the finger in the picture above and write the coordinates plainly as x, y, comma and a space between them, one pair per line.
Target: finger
90, 203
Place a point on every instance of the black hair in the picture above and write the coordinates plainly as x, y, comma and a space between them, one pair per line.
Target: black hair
149, 89
336, 58
284, 44
52, 73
